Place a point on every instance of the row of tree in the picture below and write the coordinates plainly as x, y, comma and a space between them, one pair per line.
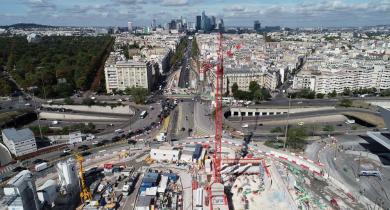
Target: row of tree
6, 87
310, 94
84, 128
56, 65
180, 50
256, 92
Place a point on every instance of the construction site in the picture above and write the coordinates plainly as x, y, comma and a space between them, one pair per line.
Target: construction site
213, 173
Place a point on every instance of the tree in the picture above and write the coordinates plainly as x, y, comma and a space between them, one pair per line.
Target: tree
139, 94
88, 102
332, 94
347, 92
346, 102
296, 137
253, 87
68, 101
5, 87
385, 92
320, 95
234, 88
258, 96
328, 128
277, 130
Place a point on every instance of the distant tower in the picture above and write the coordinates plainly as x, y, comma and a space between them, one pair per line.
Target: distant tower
198, 22
154, 25
22, 193
203, 23
130, 26
257, 26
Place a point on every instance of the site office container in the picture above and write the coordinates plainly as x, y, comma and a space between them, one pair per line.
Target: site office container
197, 152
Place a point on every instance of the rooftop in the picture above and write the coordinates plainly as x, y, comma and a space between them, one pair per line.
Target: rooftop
18, 135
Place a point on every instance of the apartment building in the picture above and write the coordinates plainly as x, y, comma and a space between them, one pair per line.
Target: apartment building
131, 73
345, 76
19, 142
243, 77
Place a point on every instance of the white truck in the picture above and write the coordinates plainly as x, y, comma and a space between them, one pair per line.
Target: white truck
41, 166
161, 137
127, 188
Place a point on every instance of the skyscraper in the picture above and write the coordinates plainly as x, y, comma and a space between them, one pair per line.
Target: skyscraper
220, 25
213, 23
130, 26
204, 19
198, 22
257, 26
154, 25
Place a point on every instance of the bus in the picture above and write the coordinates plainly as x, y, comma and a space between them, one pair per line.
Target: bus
370, 173
143, 114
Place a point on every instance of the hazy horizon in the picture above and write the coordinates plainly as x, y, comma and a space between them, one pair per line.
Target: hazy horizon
289, 13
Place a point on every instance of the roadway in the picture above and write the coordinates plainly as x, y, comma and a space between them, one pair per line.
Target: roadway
184, 78
345, 167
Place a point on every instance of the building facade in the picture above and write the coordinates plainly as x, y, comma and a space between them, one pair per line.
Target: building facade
375, 76
130, 26
124, 74
19, 142
257, 25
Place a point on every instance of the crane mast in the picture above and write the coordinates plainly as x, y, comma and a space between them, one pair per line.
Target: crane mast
218, 114
85, 195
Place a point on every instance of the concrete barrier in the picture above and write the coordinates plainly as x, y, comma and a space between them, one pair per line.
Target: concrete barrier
67, 116
125, 110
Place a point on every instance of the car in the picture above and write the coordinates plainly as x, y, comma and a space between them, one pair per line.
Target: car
37, 161
99, 144
64, 154
115, 138
105, 141
95, 142
85, 154
19, 169
131, 142
67, 150
83, 147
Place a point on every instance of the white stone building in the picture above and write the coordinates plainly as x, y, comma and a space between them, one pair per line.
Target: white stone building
19, 142
130, 73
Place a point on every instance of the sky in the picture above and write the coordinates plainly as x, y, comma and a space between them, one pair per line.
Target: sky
290, 13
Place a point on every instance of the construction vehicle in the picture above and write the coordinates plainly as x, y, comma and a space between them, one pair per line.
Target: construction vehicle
85, 194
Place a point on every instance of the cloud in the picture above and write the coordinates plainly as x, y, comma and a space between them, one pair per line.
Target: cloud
40, 4
175, 2
295, 13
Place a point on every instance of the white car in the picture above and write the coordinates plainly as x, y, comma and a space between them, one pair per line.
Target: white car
95, 142
245, 126
67, 150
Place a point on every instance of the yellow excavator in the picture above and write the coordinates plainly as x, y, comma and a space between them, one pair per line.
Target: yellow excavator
85, 195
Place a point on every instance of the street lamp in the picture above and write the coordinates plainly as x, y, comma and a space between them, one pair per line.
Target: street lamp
288, 117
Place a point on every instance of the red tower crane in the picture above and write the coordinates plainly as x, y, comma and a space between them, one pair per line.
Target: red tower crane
218, 114
217, 157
